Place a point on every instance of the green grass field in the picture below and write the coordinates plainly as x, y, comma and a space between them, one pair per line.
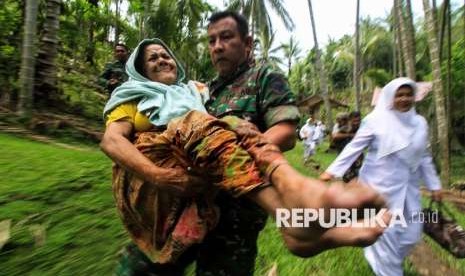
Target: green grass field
63, 219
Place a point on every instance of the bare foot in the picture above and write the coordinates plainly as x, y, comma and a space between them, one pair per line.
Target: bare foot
313, 238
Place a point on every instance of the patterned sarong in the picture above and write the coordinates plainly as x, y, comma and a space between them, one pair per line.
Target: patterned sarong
162, 225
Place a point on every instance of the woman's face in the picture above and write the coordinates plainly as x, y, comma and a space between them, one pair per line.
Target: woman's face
158, 64
404, 99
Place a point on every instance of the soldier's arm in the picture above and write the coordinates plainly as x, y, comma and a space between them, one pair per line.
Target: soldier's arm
105, 76
280, 113
341, 135
283, 135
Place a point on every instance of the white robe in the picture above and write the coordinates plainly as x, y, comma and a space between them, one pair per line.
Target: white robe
399, 183
307, 132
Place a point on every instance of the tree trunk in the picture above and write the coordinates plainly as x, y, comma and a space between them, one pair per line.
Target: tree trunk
289, 64
398, 42
357, 72
321, 70
46, 70
90, 49
26, 75
144, 32
439, 99
117, 4
407, 41
410, 35
394, 42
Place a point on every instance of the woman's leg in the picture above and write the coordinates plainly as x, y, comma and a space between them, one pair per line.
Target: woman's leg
291, 190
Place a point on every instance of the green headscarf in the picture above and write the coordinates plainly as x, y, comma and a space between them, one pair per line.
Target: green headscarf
158, 101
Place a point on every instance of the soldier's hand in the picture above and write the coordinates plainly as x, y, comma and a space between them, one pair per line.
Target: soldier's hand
436, 195
112, 81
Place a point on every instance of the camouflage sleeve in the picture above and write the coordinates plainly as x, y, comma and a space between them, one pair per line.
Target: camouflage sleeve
277, 102
105, 76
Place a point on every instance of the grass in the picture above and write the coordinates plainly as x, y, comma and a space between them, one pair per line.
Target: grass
63, 197
67, 193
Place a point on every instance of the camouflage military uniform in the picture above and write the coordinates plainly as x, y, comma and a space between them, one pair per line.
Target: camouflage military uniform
113, 70
262, 96
352, 172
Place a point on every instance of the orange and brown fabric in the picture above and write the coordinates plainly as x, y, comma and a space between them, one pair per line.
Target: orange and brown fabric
162, 225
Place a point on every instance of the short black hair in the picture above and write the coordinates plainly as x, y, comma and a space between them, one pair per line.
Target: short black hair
241, 21
355, 114
122, 45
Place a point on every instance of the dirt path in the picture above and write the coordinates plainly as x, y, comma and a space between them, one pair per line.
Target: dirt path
44, 139
427, 263
423, 258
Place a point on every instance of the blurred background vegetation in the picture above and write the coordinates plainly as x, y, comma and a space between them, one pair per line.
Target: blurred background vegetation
63, 196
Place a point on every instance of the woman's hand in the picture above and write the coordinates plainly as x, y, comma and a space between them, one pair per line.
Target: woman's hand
116, 145
436, 195
326, 176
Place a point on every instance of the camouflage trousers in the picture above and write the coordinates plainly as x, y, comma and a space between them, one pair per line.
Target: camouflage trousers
352, 172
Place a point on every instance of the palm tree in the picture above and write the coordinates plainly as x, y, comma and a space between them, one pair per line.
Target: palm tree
46, 70
117, 18
291, 51
26, 75
357, 59
90, 48
439, 99
408, 44
398, 42
320, 68
266, 52
259, 16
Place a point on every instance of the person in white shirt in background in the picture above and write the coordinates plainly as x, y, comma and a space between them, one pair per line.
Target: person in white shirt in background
307, 133
319, 135
397, 159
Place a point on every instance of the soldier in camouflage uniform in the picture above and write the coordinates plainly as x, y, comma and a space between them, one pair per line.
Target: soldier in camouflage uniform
260, 95
114, 73
256, 93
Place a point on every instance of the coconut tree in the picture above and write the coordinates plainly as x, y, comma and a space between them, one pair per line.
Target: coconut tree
291, 51
408, 38
439, 99
26, 75
357, 70
259, 16
46, 69
267, 53
320, 68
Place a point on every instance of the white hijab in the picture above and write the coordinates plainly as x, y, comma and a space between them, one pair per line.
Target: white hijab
403, 133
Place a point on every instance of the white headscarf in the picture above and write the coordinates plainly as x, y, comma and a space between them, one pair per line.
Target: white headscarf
403, 133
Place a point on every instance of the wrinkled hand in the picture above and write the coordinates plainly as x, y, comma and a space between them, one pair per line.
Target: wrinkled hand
181, 182
436, 195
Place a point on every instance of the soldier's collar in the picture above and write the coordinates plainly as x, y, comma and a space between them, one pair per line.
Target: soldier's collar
219, 83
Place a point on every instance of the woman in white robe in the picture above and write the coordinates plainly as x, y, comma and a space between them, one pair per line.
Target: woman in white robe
307, 133
396, 138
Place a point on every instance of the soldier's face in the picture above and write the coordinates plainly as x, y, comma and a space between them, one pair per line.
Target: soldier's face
355, 121
121, 53
159, 65
228, 50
